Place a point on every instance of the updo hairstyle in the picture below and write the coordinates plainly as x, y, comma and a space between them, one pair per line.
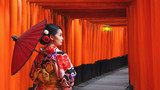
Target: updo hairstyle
50, 29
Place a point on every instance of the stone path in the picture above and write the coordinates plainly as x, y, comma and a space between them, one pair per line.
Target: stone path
116, 80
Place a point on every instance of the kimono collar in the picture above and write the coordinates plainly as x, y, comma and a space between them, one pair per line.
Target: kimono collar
48, 50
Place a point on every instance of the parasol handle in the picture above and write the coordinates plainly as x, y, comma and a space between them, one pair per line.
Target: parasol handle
36, 50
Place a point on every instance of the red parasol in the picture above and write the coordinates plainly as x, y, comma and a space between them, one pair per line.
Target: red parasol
25, 45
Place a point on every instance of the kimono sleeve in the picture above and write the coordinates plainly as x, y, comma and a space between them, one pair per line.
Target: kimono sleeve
66, 70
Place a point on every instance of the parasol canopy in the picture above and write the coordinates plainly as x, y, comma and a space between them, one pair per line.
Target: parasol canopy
25, 45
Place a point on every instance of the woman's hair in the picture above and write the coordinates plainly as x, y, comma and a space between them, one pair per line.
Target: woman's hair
52, 31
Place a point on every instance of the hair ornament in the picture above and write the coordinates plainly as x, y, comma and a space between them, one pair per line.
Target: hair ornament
46, 39
46, 31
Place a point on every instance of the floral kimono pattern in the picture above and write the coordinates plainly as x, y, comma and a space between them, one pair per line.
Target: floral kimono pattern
52, 70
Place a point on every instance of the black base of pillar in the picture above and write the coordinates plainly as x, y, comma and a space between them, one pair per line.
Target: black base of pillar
87, 71
130, 86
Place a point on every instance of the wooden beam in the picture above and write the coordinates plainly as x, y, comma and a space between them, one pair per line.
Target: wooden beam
72, 5
115, 21
80, 0
111, 24
107, 20
99, 18
110, 21
119, 25
92, 13
87, 15
94, 21
84, 17
122, 10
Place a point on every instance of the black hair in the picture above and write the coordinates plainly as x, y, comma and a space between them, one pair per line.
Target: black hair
52, 31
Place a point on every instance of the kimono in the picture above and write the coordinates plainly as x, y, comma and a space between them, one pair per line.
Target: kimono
52, 70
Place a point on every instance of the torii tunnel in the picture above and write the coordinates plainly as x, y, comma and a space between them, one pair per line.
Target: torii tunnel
134, 39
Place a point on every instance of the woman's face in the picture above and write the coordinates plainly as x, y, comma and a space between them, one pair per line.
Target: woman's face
58, 38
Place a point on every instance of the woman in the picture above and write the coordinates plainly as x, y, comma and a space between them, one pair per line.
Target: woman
52, 69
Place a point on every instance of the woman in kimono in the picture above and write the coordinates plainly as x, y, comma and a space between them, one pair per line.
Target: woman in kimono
52, 69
